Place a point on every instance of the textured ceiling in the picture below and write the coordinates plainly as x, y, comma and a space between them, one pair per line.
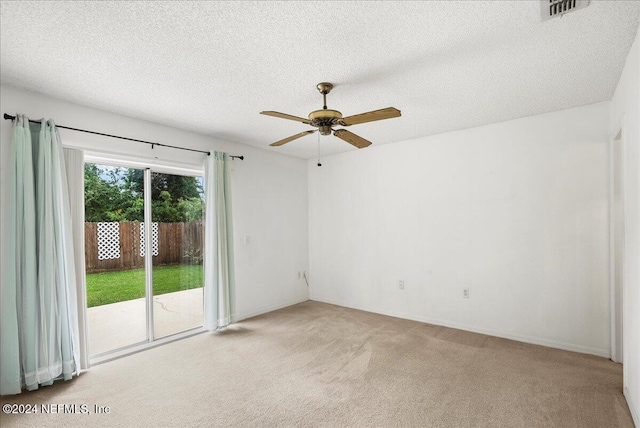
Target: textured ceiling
212, 67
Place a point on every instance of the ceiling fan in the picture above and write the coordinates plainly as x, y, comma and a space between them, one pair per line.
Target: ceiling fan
326, 119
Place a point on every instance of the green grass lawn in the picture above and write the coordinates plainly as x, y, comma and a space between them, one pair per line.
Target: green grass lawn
112, 287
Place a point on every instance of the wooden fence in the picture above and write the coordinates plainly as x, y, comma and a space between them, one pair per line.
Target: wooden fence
178, 243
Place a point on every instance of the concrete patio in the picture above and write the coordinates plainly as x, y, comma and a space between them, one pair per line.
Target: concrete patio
121, 324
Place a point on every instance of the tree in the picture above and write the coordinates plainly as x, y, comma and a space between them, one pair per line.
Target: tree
104, 198
180, 187
116, 194
192, 209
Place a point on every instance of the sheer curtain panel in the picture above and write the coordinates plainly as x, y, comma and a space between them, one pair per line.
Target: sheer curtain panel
39, 332
219, 282
74, 162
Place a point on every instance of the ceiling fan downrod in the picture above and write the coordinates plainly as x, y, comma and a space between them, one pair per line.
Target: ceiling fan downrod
324, 88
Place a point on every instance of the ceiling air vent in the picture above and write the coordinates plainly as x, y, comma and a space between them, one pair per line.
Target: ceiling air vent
555, 8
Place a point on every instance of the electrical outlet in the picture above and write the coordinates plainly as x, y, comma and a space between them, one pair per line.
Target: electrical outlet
465, 293
401, 285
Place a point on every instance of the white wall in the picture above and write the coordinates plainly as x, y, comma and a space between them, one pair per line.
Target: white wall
514, 211
625, 113
269, 191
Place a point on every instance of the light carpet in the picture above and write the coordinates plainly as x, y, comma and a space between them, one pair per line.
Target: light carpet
315, 364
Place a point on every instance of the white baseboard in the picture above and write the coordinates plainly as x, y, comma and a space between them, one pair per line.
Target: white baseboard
265, 309
634, 412
474, 329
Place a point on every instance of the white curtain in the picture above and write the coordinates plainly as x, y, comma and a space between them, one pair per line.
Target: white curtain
219, 282
39, 334
74, 161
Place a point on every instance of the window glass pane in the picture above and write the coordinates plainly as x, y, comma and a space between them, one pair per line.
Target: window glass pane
116, 305
177, 243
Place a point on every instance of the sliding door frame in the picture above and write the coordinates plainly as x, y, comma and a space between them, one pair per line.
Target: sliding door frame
148, 254
148, 166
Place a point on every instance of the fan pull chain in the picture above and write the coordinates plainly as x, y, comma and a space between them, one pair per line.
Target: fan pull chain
319, 164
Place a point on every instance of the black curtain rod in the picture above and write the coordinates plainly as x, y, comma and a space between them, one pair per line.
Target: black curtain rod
9, 117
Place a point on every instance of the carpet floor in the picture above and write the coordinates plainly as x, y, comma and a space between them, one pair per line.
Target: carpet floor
315, 364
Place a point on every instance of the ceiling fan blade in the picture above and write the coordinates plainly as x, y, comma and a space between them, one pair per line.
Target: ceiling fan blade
293, 137
285, 116
385, 113
352, 138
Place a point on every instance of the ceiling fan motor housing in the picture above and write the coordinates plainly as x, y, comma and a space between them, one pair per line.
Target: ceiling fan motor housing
324, 120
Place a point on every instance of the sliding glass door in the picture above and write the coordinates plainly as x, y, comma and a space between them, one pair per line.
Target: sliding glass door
177, 208
116, 290
144, 278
